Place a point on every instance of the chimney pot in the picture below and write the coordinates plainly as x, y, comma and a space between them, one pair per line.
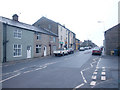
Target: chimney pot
15, 17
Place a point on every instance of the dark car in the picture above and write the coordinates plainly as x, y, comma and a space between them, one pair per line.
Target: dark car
96, 51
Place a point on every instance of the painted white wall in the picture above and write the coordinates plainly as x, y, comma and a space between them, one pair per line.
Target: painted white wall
64, 33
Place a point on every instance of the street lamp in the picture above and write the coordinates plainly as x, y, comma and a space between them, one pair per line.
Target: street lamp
103, 32
102, 23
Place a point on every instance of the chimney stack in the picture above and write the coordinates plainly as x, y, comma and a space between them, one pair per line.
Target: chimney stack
15, 17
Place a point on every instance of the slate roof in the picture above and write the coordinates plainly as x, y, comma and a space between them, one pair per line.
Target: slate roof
24, 26
53, 22
116, 27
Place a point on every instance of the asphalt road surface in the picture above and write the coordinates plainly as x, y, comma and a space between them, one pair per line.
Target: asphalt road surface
76, 70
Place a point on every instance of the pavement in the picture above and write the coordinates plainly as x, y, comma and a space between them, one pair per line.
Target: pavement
108, 65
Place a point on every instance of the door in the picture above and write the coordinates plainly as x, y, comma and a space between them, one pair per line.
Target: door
28, 51
45, 50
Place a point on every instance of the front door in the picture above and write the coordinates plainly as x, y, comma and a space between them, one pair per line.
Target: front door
45, 51
28, 51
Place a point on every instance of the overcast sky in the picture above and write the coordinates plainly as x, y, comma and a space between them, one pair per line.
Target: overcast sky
80, 16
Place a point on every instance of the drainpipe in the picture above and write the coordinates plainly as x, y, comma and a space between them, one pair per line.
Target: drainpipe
4, 41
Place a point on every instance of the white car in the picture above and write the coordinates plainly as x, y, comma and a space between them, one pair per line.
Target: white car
81, 49
60, 52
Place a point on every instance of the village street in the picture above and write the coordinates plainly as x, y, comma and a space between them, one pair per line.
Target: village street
78, 70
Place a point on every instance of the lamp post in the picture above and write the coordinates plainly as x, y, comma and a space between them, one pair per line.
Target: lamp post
103, 32
102, 23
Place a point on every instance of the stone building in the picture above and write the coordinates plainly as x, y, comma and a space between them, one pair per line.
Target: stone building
112, 39
66, 38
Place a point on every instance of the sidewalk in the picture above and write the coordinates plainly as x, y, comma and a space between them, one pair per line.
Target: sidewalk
28, 60
110, 63
24, 60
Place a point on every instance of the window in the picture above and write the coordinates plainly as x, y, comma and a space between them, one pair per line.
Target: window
38, 36
54, 39
50, 38
17, 50
18, 34
54, 48
38, 48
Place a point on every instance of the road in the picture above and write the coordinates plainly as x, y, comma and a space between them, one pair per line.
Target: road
71, 71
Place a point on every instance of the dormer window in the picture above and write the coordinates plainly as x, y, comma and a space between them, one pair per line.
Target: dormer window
17, 34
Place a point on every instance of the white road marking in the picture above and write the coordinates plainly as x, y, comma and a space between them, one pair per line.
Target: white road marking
28, 71
103, 77
96, 70
103, 67
93, 83
38, 69
95, 73
85, 81
79, 86
12, 72
9, 78
94, 77
103, 73
83, 77
98, 62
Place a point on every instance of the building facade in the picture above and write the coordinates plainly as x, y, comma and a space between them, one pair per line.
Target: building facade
77, 44
22, 41
47, 24
63, 36
112, 39
44, 44
1, 42
66, 37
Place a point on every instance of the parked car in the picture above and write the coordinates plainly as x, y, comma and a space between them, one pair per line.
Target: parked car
81, 49
86, 48
96, 51
60, 52
70, 50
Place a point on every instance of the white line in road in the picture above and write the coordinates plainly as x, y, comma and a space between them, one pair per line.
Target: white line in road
103, 73
103, 67
103, 77
94, 77
28, 71
12, 72
98, 62
83, 77
95, 73
93, 83
38, 69
79, 86
9, 78
96, 70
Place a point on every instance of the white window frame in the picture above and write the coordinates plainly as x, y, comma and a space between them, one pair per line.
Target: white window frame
17, 32
17, 49
39, 47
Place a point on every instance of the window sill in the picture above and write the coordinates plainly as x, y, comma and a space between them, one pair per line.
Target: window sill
18, 56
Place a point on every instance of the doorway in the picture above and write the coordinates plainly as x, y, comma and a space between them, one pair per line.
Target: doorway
28, 51
45, 50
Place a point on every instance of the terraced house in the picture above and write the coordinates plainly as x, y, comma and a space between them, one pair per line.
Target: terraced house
22, 41
65, 36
